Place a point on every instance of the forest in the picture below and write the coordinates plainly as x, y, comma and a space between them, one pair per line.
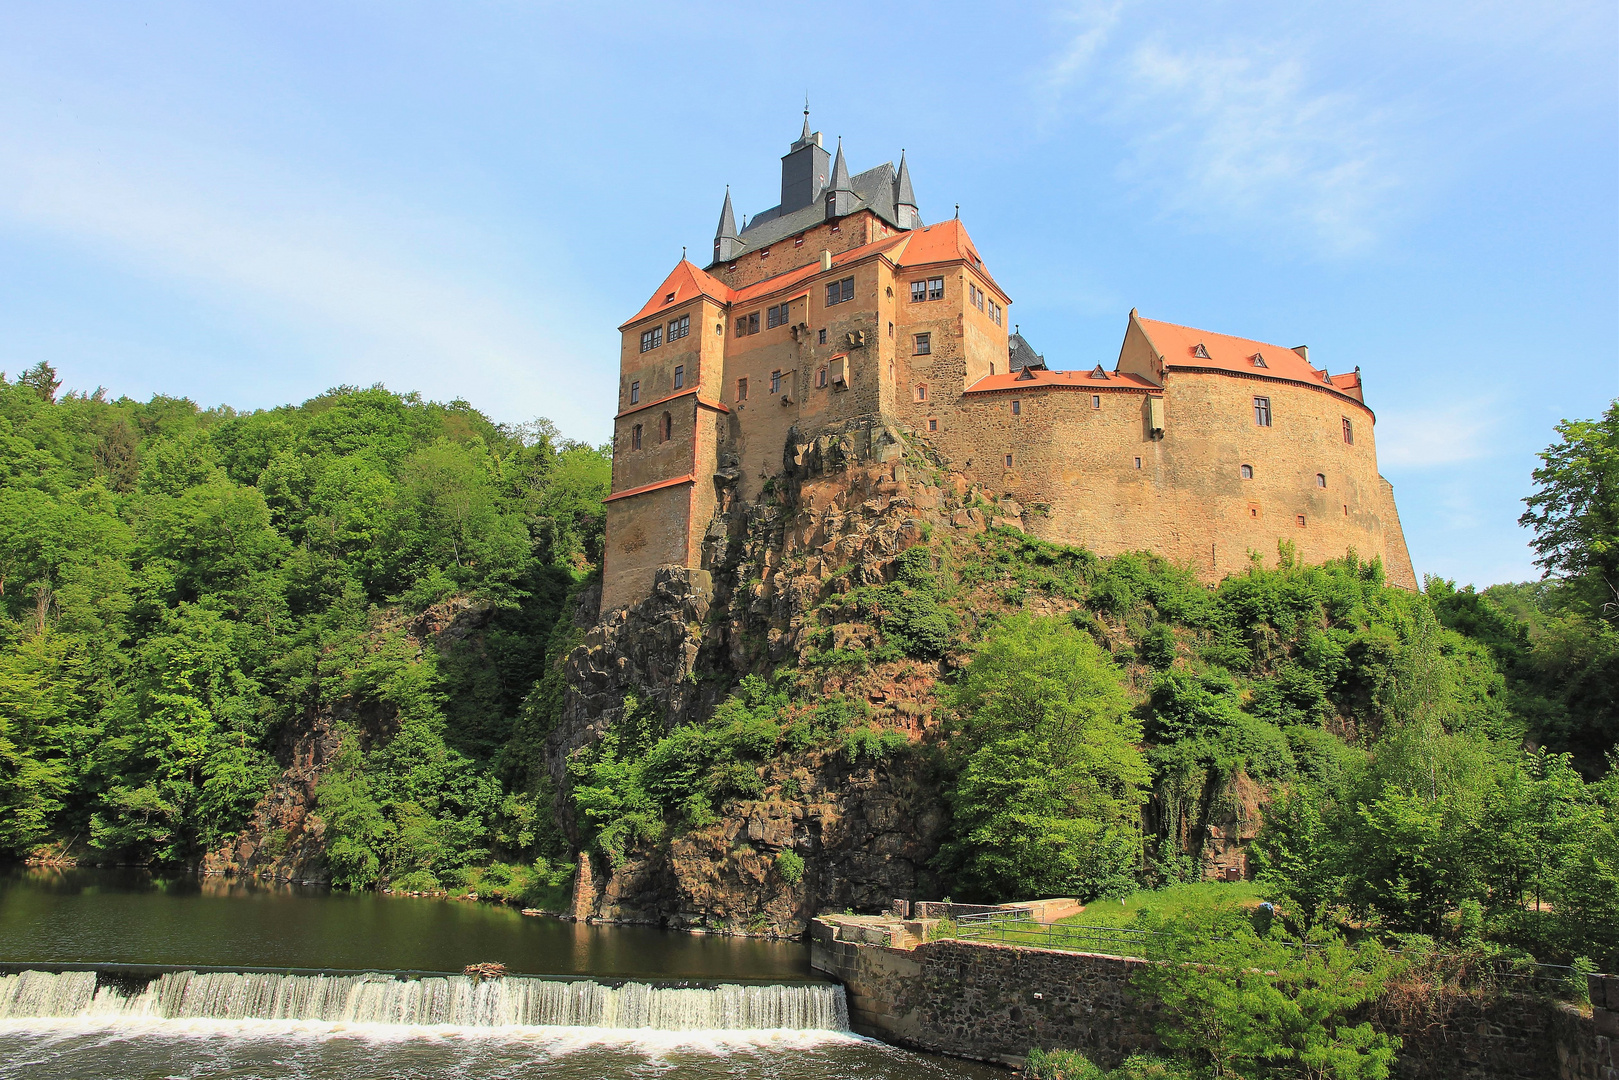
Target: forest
181, 587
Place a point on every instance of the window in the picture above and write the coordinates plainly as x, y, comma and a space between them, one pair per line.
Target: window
1346, 509
1320, 479
1008, 461
679, 328
635, 392
839, 292
933, 425
1138, 463
919, 291
1301, 521
1247, 472
742, 389
775, 382
820, 378
668, 297
798, 241
747, 324
992, 367
921, 391
975, 296
995, 312
764, 253
680, 376
1096, 401
777, 315
666, 427
1017, 408
890, 329
821, 340
924, 344
651, 339
1262, 411
935, 288
753, 322
1349, 432
635, 437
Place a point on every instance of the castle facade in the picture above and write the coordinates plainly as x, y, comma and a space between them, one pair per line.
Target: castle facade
839, 305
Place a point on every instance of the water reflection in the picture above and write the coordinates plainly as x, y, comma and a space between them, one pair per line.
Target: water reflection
81, 915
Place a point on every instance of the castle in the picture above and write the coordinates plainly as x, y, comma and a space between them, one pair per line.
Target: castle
839, 305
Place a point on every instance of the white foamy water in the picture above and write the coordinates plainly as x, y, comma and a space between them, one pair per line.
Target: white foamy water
381, 1004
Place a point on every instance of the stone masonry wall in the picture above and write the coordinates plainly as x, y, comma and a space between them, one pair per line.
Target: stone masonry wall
993, 1002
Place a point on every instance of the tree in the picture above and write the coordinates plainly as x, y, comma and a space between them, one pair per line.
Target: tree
1575, 513
1247, 1004
1048, 779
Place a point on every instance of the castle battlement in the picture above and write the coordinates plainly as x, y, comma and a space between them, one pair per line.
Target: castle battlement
839, 304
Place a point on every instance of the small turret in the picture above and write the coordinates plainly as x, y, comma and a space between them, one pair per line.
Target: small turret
840, 196
726, 242
905, 208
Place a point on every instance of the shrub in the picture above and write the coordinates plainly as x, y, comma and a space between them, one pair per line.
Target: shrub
790, 865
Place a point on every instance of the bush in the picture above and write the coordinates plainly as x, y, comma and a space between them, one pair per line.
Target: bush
790, 865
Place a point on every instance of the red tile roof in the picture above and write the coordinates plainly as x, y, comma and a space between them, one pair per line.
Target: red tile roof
946, 241
1063, 380
687, 282
1178, 345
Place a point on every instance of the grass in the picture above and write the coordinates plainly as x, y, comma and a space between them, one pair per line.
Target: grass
1172, 902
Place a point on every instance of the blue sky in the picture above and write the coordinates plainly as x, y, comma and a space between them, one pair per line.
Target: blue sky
246, 204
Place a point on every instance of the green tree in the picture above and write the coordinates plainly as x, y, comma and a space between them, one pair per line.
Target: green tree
1246, 1004
1048, 780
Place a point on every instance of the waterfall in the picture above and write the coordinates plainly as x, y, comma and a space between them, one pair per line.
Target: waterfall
452, 1001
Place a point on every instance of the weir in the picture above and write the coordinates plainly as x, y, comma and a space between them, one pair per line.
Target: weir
450, 1001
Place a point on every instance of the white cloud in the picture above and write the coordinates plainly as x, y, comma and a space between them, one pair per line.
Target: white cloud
1234, 133
1435, 436
401, 300
1243, 137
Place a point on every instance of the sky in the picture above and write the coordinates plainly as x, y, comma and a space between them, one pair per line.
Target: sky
248, 204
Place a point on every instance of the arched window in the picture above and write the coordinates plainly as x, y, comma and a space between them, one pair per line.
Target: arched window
1321, 480
1247, 472
666, 426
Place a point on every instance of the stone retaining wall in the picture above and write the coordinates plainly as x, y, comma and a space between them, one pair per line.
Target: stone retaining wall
992, 1002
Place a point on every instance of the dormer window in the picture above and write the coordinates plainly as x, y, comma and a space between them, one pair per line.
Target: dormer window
1098, 373
668, 298
1200, 352
1259, 361
798, 241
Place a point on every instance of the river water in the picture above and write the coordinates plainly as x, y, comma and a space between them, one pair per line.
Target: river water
109, 973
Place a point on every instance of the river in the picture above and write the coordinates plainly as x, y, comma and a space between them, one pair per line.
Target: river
115, 973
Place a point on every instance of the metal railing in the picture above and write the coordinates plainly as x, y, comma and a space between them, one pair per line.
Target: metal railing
1017, 926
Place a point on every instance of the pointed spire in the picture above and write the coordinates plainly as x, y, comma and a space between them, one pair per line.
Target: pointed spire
904, 197
727, 227
726, 243
806, 136
840, 196
840, 171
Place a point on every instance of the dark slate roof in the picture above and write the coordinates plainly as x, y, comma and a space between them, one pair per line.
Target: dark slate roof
874, 189
727, 225
904, 196
1020, 354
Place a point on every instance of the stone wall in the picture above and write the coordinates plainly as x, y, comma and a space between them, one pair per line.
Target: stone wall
993, 1002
